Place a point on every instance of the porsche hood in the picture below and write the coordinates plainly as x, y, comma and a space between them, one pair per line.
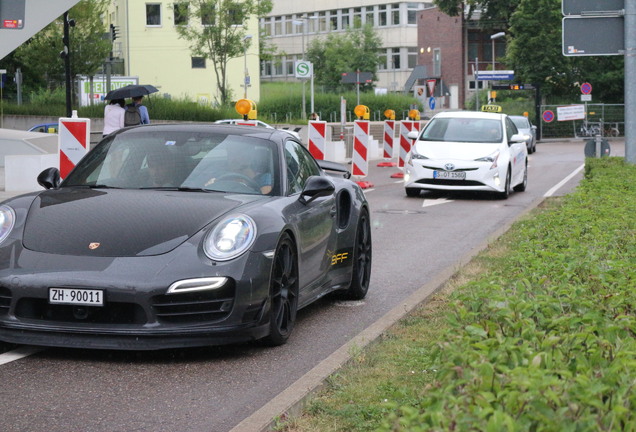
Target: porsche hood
120, 223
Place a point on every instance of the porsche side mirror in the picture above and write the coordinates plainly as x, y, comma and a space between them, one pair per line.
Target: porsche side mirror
315, 187
49, 178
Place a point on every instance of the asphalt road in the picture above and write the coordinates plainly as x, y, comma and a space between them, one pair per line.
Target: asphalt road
415, 240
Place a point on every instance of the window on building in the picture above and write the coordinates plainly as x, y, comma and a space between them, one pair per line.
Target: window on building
411, 13
357, 17
288, 24
236, 15
345, 18
395, 14
289, 67
153, 14
333, 20
369, 16
382, 17
395, 58
437, 62
322, 21
208, 14
278, 26
382, 57
198, 62
412, 57
312, 22
266, 26
180, 13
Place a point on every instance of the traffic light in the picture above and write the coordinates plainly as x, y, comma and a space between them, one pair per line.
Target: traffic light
113, 32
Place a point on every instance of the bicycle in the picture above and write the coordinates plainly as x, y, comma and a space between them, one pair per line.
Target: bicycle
610, 129
590, 129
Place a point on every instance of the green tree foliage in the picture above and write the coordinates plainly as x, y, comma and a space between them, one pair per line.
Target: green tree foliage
39, 58
494, 14
357, 49
218, 33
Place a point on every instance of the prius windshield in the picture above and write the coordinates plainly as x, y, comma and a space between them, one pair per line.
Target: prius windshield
470, 130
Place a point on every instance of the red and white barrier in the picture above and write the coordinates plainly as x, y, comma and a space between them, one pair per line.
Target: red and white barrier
389, 135
317, 135
405, 143
74, 138
360, 160
388, 138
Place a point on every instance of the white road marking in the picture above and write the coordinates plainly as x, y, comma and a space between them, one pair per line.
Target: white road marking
564, 181
431, 202
19, 353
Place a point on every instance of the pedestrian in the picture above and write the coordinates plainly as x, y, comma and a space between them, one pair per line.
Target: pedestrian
113, 116
314, 117
136, 112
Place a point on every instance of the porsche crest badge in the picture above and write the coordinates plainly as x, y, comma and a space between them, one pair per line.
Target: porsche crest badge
93, 245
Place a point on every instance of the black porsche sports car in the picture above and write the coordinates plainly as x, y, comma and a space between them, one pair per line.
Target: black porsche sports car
167, 236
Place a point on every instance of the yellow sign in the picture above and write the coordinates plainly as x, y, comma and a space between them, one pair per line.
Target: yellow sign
491, 108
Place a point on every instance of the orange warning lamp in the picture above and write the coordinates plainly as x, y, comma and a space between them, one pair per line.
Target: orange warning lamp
246, 108
414, 114
389, 114
362, 111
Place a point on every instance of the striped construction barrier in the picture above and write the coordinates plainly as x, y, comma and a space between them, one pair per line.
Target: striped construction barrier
317, 134
405, 143
360, 161
388, 138
74, 138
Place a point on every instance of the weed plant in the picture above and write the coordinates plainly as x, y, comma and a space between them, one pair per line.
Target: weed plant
538, 333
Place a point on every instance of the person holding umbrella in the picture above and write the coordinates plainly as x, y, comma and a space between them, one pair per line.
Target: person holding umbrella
135, 110
113, 116
136, 113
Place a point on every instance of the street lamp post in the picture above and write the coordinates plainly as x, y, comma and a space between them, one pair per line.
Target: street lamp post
303, 21
246, 78
492, 38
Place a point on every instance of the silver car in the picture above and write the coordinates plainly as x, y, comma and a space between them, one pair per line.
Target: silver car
526, 128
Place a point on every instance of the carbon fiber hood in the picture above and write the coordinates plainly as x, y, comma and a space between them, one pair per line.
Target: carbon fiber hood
120, 223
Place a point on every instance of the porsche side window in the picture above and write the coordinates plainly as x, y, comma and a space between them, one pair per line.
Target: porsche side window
300, 166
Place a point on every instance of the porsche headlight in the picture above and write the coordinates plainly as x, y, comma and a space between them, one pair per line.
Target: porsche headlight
7, 221
230, 238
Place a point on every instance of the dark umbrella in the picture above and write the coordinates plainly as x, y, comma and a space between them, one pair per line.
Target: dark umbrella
130, 91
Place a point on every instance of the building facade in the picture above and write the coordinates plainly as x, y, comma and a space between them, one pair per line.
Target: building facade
293, 24
148, 46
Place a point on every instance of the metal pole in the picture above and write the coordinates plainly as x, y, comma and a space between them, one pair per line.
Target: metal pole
67, 64
302, 80
476, 83
630, 83
245, 71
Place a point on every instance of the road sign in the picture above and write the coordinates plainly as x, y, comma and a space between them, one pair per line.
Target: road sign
431, 103
548, 116
586, 88
571, 112
496, 75
356, 78
581, 7
303, 69
593, 36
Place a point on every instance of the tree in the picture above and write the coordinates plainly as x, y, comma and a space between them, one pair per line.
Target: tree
219, 33
494, 14
357, 49
40, 59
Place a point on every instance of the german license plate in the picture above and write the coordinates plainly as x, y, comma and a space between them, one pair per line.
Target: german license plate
76, 296
450, 175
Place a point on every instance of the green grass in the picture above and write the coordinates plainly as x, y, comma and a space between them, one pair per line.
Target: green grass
537, 333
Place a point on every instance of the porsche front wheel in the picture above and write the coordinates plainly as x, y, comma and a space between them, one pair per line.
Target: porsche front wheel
283, 292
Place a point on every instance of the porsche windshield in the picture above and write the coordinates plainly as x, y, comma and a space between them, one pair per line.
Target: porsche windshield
180, 160
460, 129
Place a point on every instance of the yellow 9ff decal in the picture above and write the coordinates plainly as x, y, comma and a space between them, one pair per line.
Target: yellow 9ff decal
340, 257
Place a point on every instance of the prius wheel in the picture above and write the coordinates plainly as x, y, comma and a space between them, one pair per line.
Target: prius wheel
506, 192
283, 292
521, 187
361, 260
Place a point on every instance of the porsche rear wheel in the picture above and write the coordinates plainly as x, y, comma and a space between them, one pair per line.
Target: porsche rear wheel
361, 273
283, 292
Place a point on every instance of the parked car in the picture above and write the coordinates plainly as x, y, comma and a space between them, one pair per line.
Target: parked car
45, 127
525, 127
165, 236
256, 123
467, 150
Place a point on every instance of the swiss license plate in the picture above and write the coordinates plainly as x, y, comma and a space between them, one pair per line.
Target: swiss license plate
450, 175
76, 296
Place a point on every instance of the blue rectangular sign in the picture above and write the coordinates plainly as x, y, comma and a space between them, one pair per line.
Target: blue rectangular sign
495, 75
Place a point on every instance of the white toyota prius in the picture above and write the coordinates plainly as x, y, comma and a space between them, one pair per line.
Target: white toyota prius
467, 150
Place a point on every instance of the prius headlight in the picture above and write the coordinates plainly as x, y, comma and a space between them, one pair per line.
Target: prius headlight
413, 154
490, 158
7, 221
230, 238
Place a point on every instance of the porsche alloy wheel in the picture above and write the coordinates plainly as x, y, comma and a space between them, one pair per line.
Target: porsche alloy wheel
283, 292
362, 260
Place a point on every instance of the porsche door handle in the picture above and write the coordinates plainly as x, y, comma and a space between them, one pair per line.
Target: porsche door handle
333, 211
